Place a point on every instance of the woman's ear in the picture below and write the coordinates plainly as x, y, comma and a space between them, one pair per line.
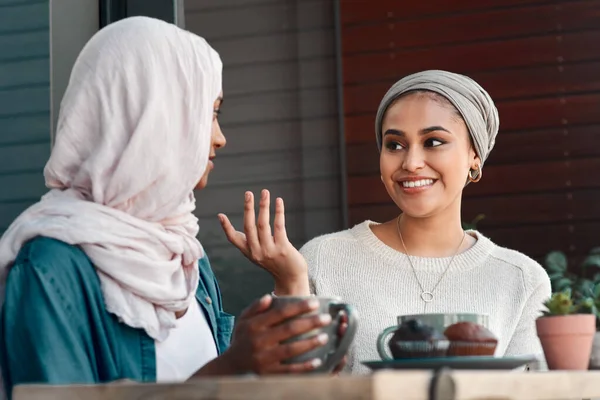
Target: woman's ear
475, 172
476, 162
473, 156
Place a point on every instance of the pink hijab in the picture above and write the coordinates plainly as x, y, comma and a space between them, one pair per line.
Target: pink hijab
133, 139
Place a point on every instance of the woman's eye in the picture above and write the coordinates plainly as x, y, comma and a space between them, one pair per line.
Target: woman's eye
394, 146
433, 142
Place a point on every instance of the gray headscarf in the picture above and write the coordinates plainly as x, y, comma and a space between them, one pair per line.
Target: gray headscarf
471, 100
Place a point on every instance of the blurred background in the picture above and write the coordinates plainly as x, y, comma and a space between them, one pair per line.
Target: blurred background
302, 82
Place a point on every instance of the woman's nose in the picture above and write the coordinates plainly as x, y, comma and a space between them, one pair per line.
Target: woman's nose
414, 160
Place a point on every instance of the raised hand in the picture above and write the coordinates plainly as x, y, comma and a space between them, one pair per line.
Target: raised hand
271, 251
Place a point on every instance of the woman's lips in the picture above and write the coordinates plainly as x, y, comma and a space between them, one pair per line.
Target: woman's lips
413, 186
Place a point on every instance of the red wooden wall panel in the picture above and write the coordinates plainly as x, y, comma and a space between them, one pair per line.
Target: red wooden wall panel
550, 49
540, 62
492, 24
502, 85
361, 11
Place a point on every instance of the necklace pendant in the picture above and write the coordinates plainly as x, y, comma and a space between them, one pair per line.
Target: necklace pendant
427, 297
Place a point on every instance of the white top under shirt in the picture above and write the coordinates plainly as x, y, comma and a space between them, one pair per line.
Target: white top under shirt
189, 347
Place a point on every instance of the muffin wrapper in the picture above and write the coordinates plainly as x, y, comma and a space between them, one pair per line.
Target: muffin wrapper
464, 348
420, 349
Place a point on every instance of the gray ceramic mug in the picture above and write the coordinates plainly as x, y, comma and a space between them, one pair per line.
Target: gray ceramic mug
332, 352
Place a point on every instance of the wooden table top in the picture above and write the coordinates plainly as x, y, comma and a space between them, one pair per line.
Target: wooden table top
382, 385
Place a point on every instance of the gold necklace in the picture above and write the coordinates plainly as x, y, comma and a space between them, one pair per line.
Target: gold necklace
427, 295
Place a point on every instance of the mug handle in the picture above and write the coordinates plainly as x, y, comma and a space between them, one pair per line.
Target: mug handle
348, 336
381, 342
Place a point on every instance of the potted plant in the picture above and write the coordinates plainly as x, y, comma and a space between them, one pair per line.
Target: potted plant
566, 330
585, 284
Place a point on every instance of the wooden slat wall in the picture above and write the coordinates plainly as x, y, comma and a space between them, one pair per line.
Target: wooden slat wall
24, 104
540, 62
280, 120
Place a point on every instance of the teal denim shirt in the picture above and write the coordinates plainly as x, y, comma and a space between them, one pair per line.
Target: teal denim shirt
54, 327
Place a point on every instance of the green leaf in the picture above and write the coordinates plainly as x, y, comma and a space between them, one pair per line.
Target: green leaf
592, 261
597, 291
562, 285
560, 303
585, 306
555, 277
556, 261
585, 287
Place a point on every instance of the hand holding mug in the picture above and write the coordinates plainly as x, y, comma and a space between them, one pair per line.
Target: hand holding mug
341, 332
264, 338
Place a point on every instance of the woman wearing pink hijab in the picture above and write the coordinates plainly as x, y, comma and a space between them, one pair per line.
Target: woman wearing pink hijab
104, 279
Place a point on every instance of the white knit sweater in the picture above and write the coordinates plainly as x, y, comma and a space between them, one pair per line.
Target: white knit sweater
378, 281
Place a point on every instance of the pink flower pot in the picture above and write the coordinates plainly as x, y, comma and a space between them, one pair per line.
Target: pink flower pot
567, 340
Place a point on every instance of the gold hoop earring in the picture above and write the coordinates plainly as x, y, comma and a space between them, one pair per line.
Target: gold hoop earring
477, 176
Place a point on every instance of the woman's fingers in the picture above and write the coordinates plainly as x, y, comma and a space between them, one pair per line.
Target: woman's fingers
277, 315
269, 249
264, 223
299, 368
283, 352
280, 233
250, 226
296, 327
238, 239
257, 307
261, 329
343, 324
341, 365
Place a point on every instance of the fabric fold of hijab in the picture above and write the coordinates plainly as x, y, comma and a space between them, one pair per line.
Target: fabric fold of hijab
470, 99
132, 141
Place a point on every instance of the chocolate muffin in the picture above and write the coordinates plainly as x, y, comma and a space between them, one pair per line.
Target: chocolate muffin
413, 339
470, 339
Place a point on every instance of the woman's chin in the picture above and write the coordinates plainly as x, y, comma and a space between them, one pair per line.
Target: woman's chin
416, 210
202, 183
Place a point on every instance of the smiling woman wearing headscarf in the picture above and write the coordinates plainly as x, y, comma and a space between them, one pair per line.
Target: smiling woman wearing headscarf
104, 279
434, 131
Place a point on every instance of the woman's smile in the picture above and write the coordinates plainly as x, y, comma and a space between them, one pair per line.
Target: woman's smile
416, 185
